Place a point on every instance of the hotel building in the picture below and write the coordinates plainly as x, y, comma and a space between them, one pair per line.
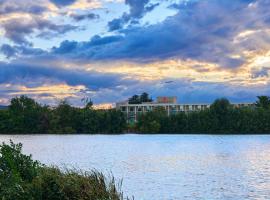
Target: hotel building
170, 105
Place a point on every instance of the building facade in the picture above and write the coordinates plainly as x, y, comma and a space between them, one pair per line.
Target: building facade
169, 104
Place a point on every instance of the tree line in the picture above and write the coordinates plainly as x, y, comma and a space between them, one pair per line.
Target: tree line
24, 115
221, 117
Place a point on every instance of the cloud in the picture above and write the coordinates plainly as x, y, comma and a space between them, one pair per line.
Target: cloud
20, 50
34, 75
87, 16
24, 8
96, 43
186, 90
10, 8
215, 47
138, 8
47, 83
116, 24
61, 3
263, 72
201, 30
8, 50
18, 30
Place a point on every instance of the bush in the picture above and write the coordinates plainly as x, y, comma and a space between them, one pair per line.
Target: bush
22, 178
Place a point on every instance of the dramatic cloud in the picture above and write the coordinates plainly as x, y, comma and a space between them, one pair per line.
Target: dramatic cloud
203, 30
198, 49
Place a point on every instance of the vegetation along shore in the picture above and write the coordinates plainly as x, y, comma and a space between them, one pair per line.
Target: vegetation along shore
26, 116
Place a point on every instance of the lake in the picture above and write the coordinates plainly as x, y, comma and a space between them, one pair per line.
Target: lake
165, 167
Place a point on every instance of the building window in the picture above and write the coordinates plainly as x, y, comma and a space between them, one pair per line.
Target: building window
186, 107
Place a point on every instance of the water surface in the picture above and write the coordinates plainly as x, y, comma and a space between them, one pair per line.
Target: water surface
165, 167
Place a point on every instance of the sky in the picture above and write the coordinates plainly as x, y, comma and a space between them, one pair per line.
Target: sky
108, 50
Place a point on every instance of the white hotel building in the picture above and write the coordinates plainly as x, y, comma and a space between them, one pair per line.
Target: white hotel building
170, 105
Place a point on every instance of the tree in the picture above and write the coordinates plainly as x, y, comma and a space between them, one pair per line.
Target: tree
152, 122
64, 118
221, 106
88, 103
138, 99
263, 102
5, 122
25, 114
145, 97
135, 99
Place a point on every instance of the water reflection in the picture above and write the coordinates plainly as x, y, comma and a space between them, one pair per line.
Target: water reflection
165, 167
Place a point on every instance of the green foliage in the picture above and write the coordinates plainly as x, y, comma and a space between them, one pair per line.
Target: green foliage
22, 178
5, 121
151, 122
17, 171
263, 102
222, 117
24, 115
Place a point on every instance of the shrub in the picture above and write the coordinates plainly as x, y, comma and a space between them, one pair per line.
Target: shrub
22, 178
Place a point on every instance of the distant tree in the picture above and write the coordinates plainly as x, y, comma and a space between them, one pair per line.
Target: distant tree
21, 104
6, 124
220, 111
152, 122
64, 118
88, 103
154, 127
221, 106
138, 99
25, 114
263, 102
135, 99
145, 97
